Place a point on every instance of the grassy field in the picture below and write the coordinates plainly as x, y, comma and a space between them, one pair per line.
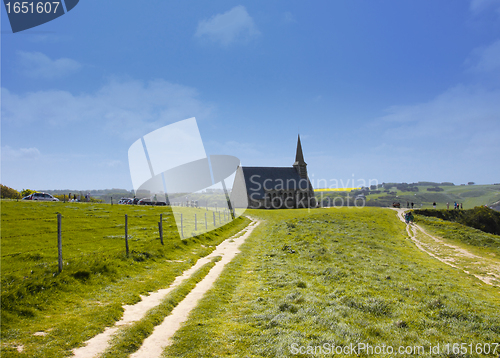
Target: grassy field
304, 278
47, 313
469, 195
465, 248
340, 277
461, 234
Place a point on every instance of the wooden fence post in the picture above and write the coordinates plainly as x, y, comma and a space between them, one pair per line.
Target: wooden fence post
214, 217
126, 233
59, 242
160, 228
182, 229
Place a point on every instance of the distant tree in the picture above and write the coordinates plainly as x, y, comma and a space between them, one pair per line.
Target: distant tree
9, 193
435, 189
26, 192
471, 183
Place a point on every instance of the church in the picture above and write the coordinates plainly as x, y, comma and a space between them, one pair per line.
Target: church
274, 187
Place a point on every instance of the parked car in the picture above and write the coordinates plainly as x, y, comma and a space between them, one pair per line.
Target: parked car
145, 201
41, 197
125, 201
148, 201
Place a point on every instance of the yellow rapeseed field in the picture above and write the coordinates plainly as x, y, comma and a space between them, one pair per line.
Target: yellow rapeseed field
336, 189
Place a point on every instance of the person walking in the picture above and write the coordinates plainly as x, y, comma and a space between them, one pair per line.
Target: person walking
412, 205
434, 205
461, 205
447, 206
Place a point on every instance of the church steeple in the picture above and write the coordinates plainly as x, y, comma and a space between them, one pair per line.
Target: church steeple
300, 165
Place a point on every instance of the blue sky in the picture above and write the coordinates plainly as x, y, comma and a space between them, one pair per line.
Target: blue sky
378, 90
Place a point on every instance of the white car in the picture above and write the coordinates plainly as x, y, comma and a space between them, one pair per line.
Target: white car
43, 197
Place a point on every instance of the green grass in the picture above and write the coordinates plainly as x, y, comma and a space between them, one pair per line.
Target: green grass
196, 221
481, 217
469, 195
336, 276
130, 339
460, 234
97, 277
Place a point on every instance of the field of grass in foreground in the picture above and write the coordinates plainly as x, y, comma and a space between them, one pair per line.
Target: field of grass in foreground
336, 276
98, 278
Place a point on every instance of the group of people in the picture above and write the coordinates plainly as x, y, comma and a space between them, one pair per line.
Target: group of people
79, 198
408, 217
408, 205
456, 206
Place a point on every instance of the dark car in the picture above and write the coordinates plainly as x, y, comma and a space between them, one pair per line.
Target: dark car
145, 201
148, 201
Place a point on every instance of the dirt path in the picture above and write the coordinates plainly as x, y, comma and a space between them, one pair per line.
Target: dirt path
154, 345
132, 313
453, 255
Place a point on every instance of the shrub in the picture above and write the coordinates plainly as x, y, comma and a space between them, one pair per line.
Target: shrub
26, 192
436, 188
8, 193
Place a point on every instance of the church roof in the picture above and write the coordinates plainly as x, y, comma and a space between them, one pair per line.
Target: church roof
257, 179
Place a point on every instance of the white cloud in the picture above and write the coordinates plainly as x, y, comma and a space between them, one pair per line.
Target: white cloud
9, 153
288, 18
453, 127
478, 6
485, 59
111, 163
129, 109
453, 135
231, 26
38, 65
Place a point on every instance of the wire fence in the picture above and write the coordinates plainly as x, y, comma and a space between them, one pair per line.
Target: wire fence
35, 241
32, 240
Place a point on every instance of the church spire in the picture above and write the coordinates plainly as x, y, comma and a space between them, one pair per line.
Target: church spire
299, 157
300, 165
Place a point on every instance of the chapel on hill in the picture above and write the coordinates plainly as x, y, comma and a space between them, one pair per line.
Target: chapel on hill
274, 187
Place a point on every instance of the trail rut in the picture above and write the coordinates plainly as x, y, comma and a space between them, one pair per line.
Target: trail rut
154, 345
